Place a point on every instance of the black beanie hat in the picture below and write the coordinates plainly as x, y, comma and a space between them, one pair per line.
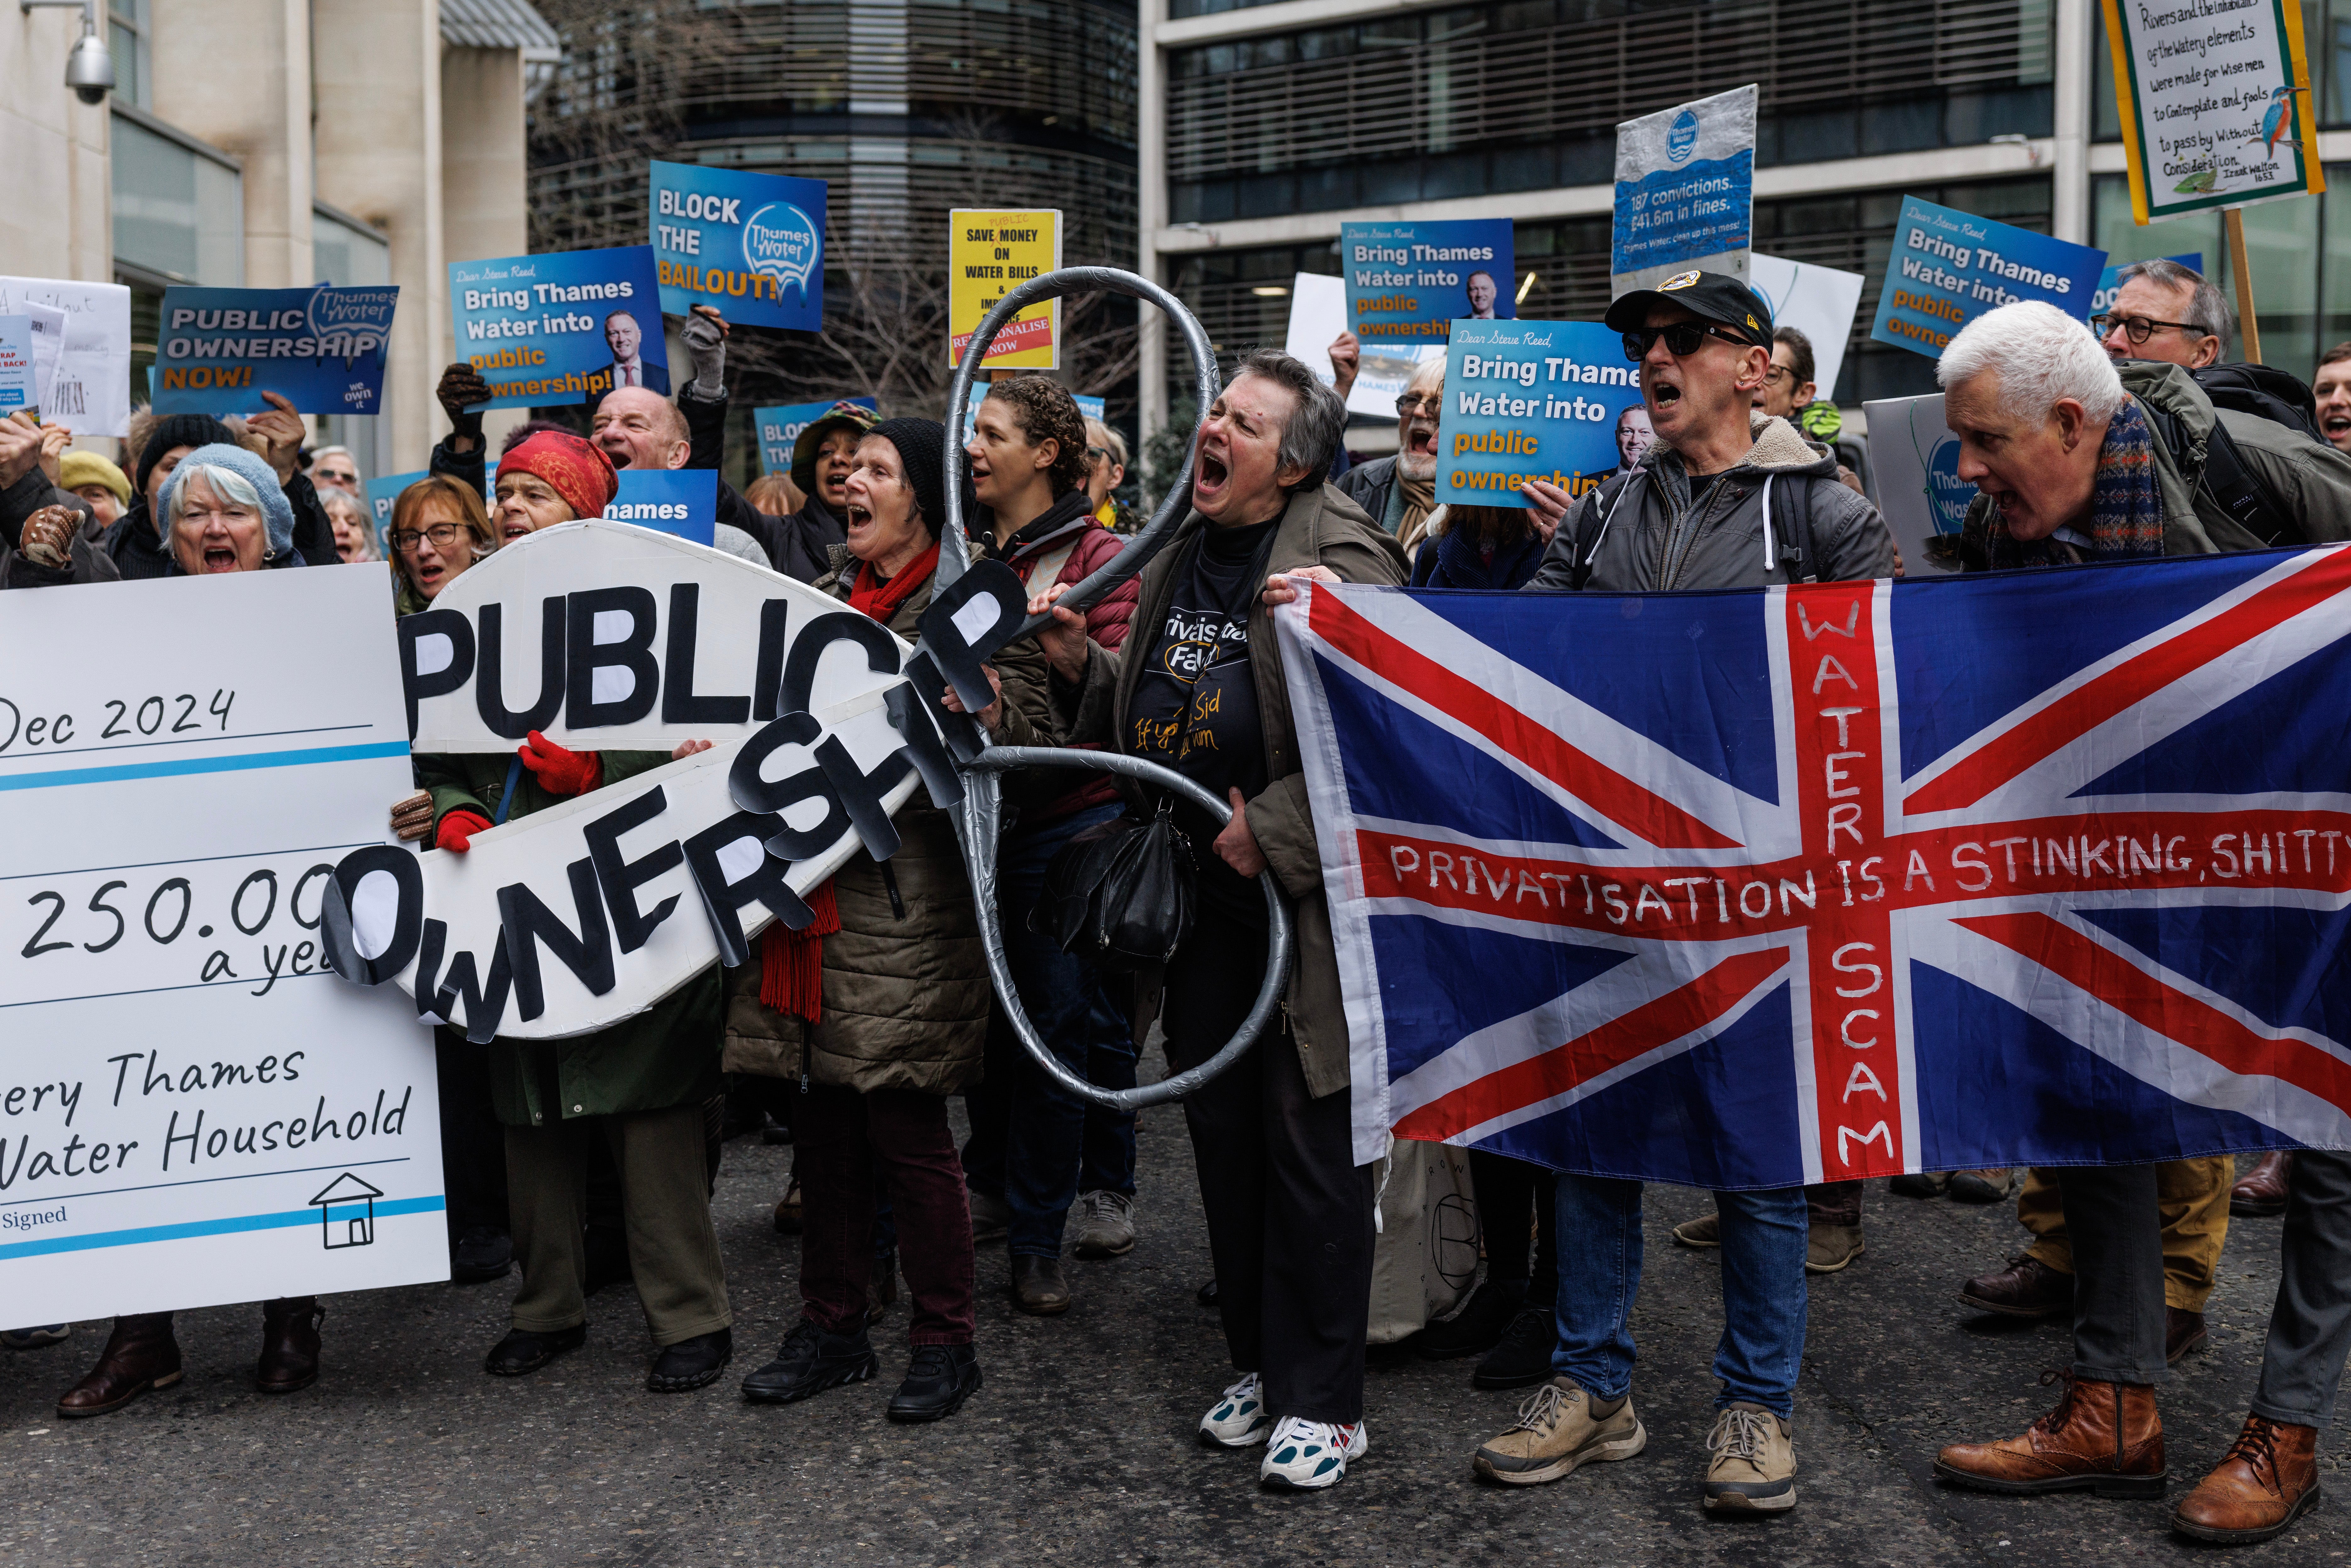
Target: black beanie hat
922, 446
181, 430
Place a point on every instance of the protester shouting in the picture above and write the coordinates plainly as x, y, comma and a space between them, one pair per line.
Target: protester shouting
2077, 458
2332, 389
439, 528
638, 1087
1035, 1147
878, 1006
1289, 1209
135, 542
639, 428
354, 532
225, 510
1399, 492
1693, 515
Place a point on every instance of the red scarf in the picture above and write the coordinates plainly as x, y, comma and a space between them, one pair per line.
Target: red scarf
791, 963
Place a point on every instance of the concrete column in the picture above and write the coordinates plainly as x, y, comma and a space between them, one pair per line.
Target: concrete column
1150, 217
237, 73
2069, 215
56, 199
380, 156
485, 179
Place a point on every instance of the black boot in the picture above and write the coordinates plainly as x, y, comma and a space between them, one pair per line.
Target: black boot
1477, 1327
691, 1362
479, 1254
809, 1362
1522, 1357
941, 1378
523, 1351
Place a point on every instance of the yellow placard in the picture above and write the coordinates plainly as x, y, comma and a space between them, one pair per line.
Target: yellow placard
991, 252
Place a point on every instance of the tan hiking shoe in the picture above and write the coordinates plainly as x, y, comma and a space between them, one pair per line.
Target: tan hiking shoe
1555, 1432
1829, 1247
1706, 1230
1755, 1465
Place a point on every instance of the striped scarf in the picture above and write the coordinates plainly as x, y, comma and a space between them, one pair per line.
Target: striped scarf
2125, 504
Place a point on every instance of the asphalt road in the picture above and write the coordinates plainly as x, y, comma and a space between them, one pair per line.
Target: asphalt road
1079, 1448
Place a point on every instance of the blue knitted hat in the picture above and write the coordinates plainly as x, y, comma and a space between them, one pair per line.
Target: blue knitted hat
276, 512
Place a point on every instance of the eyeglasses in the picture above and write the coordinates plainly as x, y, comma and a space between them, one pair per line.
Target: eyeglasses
443, 536
1682, 339
1778, 373
1097, 454
2139, 329
1432, 406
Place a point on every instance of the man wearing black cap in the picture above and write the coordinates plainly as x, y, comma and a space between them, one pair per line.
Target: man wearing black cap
1692, 515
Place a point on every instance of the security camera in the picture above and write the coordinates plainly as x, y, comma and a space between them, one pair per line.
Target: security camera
89, 69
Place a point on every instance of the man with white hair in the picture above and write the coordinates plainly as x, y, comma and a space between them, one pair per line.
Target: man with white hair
1399, 492
2076, 458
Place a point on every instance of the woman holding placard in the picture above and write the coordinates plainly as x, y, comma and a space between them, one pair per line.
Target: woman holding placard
878, 1006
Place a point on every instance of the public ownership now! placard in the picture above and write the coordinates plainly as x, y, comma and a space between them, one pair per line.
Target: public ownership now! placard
1950, 267
193, 1109
2215, 103
322, 350
1535, 400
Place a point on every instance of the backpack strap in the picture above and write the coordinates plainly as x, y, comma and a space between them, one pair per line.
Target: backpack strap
2241, 495
1580, 573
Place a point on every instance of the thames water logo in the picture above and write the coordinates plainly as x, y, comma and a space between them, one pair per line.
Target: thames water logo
1681, 138
1948, 493
781, 242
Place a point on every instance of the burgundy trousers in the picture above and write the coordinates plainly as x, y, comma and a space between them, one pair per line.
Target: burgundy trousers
840, 1138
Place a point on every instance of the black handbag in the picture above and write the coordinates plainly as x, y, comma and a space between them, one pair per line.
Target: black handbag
1121, 893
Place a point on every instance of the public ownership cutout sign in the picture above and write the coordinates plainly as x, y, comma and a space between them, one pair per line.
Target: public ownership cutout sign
1950, 267
322, 350
605, 636
1409, 283
193, 1110
565, 328
2215, 102
752, 246
1533, 400
991, 253
1684, 190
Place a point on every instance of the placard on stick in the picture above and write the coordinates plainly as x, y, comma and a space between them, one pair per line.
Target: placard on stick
990, 253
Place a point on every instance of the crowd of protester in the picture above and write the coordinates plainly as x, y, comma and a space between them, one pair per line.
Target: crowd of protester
592, 1160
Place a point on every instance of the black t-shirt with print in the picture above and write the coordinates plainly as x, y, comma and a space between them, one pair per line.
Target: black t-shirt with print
1195, 703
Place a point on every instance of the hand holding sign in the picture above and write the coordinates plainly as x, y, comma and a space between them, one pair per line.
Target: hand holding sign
282, 428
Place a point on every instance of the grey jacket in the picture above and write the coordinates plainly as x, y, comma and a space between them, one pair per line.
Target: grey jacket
2310, 480
1656, 540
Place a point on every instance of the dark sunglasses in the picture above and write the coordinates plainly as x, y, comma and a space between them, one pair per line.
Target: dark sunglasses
1682, 339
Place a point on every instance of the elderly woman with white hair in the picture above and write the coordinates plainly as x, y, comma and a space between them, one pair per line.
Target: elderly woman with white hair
223, 512
2078, 459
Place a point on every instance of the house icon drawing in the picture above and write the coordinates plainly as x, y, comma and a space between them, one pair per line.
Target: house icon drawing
347, 1212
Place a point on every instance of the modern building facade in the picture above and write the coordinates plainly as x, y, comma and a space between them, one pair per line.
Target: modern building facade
1266, 126
275, 143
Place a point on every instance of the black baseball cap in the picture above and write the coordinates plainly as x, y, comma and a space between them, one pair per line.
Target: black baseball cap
1710, 295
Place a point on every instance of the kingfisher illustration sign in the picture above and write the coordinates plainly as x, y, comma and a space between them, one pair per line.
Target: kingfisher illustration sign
2215, 105
750, 246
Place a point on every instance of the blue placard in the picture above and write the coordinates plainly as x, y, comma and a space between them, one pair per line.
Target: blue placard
1535, 400
2103, 298
320, 349
1409, 283
681, 501
1950, 267
752, 246
381, 493
1684, 190
780, 426
16, 362
547, 329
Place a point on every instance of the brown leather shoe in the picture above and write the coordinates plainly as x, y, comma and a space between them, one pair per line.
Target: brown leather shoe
2027, 1288
2104, 1437
289, 1345
2183, 1331
2261, 1191
1038, 1286
139, 1354
2269, 1480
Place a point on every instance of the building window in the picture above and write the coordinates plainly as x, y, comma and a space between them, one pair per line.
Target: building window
126, 39
179, 206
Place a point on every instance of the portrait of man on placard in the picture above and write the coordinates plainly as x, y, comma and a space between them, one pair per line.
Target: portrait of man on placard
625, 336
1482, 295
1633, 437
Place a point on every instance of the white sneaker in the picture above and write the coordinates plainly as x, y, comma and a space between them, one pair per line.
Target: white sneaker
1303, 1455
1240, 1419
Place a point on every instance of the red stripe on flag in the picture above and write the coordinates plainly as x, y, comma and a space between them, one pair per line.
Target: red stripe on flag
1655, 818
2037, 739
2172, 1013
1621, 1040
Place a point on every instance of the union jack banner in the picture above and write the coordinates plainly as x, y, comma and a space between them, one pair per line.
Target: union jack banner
1745, 888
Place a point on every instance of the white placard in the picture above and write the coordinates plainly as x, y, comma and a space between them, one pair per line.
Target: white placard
48, 347
1818, 301
1318, 314
92, 394
192, 1109
1914, 459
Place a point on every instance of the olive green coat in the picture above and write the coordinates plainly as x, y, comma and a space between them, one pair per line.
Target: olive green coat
906, 995
665, 1056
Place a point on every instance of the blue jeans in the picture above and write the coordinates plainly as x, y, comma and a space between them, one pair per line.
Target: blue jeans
1031, 1140
1762, 1344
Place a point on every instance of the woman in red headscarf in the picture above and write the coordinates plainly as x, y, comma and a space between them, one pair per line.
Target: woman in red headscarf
638, 1087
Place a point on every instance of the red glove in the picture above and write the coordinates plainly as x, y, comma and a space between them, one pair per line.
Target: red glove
458, 828
561, 772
